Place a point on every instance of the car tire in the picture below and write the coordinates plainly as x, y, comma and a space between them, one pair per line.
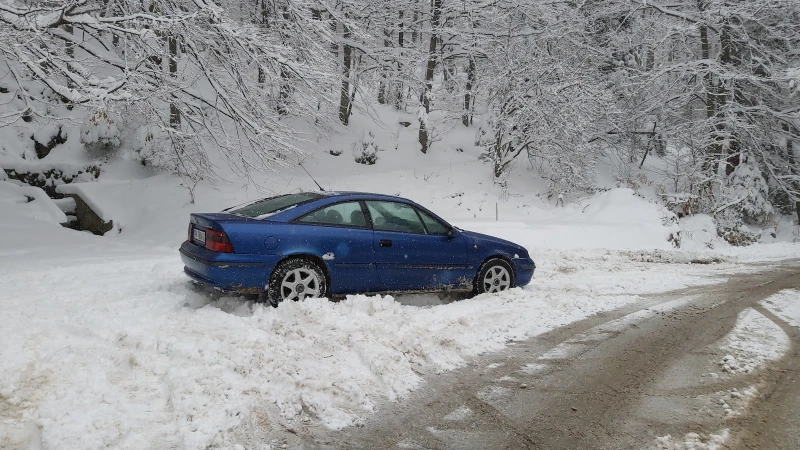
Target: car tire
296, 279
495, 275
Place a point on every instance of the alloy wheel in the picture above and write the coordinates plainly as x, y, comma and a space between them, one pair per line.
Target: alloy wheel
496, 279
299, 284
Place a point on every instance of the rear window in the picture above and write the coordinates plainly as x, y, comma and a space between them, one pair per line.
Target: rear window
273, 205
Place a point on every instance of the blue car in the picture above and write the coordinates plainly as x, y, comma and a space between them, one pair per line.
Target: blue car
310, 244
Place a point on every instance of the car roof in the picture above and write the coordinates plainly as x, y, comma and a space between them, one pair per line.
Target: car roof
323, 198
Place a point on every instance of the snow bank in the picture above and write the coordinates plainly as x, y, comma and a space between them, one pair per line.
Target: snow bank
622, 205
142, 358
700, 232
28, 202
155, 209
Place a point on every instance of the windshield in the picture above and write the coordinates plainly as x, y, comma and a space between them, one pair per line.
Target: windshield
267, 206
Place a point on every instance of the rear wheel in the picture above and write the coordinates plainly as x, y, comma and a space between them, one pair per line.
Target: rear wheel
296, 279
495, 275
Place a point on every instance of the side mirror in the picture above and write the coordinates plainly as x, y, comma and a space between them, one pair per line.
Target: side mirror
451, 232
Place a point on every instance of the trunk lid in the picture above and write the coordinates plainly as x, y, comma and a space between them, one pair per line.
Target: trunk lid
207, 230
214, 220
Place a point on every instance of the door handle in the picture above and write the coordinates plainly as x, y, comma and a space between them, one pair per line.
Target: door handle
385, 243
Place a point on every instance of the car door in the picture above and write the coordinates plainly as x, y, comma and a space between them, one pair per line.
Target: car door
341, 236
412, 253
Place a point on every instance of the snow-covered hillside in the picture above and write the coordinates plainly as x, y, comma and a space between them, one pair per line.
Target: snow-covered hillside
107, 343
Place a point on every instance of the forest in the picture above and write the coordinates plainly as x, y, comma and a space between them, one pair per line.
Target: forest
712, 87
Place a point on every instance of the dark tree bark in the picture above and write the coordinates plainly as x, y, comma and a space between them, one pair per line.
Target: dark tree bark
793, 169
334, 44
70, 50
466, 119
286, 87
704, 47
398, 102
174, 113
425, 97
344, 99
316, 14
264, 21
383, 86
414, 20
727, 146
711, 109
155, 60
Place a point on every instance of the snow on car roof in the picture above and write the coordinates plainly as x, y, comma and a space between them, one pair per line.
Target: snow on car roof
356, 194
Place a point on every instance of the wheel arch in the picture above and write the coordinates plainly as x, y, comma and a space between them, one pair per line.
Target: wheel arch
499, 256
311, 257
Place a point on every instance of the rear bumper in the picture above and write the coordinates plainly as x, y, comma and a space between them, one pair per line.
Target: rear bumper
227, 271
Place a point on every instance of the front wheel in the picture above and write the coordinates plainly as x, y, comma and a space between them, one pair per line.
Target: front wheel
495, 275
296, 279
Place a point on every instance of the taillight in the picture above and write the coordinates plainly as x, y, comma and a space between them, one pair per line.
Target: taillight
189, 238
217, 241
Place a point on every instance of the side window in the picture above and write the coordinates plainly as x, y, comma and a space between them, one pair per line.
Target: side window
346, 214
392, 216
433, 225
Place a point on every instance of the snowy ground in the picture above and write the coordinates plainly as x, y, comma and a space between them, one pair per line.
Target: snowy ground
107, 344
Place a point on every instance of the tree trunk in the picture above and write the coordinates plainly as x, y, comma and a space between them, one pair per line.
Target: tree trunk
70, 50
264, 22
447, 74
344, 99
382, 86
704, 46
334, 44
794, 185
711, 108
316, 14
106, 10
156, 60
283, 96
353, 89
414, 20
174, 113
727, 147
286, 87
466, 118
425, 97
398, 102
499, 153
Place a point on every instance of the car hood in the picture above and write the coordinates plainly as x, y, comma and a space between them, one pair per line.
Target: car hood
485, 239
